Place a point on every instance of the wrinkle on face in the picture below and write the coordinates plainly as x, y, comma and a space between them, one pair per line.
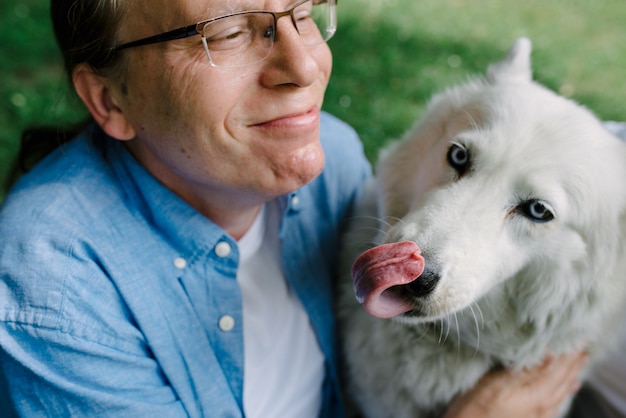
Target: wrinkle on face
199, 127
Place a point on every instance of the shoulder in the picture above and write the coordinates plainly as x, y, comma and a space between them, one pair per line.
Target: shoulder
345, 157
337, 135
72, 183
616, 128
58, 220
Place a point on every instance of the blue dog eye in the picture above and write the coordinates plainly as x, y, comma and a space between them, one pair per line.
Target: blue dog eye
536, 210
458, 158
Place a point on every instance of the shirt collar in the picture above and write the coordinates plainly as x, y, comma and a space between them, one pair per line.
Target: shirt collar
185, 228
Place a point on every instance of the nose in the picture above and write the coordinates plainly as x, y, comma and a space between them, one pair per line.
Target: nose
424, 284
291, 61
288, 13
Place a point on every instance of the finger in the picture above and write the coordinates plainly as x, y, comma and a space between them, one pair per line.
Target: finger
550, 413
560, 379
570, 367
571, 380
564, 367
528, 376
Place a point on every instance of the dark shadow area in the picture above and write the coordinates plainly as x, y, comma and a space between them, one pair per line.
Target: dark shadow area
6, 406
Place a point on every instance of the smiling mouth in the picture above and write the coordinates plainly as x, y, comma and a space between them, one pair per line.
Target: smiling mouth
295, 120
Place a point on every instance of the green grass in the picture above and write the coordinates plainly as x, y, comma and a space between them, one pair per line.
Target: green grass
33, 87
390, 56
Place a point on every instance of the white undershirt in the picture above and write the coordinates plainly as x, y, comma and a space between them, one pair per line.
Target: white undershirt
283, 364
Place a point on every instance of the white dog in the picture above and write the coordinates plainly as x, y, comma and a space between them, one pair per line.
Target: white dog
516, 199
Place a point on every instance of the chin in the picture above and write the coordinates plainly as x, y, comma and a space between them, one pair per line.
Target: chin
307, 164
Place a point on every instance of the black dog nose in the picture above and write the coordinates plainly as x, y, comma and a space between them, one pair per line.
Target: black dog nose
423, 285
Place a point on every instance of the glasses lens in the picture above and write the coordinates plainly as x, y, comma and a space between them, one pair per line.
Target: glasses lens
316, 21
246, 38
239, 40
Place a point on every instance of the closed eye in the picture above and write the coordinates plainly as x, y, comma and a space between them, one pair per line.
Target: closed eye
233, 33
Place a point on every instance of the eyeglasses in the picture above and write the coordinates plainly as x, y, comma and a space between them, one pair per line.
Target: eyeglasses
245, 38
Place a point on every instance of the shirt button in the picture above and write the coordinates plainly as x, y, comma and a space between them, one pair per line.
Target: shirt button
222, 249
295, 201
226, 323
180, 263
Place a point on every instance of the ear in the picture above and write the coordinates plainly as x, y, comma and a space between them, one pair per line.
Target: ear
516, 66
97, 96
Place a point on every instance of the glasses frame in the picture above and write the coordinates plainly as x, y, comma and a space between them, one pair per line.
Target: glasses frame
198, 28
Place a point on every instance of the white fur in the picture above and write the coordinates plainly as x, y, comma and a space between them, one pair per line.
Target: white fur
511, 290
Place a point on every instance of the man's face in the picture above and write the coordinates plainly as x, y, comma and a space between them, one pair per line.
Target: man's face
246, 134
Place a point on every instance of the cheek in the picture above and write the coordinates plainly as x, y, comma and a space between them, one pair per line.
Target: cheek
325, 59
198, 95
179, 86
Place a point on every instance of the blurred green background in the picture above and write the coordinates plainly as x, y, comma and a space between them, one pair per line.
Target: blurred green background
390, 56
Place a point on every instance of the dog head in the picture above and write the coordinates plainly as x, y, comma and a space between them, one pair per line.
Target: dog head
506, 187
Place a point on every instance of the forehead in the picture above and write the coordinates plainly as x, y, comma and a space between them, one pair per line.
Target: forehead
143, 18
182, 12
148, 17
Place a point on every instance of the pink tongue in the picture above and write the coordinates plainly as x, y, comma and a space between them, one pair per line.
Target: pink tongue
381, 268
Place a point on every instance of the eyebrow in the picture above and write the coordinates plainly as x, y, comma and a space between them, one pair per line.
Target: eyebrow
226, 7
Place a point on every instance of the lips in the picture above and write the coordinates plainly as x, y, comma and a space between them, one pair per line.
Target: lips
378, 271
292, 120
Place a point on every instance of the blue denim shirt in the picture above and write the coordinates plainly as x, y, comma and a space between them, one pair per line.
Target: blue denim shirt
111, 290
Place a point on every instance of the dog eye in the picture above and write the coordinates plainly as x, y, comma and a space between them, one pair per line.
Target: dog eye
536, 210
458, 158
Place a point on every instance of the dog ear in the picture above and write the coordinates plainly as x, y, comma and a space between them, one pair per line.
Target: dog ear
516, 67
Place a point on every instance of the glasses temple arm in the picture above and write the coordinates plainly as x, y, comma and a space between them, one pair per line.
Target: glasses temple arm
179, 33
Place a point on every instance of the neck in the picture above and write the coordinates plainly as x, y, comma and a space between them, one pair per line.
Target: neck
234, 213
235, 222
